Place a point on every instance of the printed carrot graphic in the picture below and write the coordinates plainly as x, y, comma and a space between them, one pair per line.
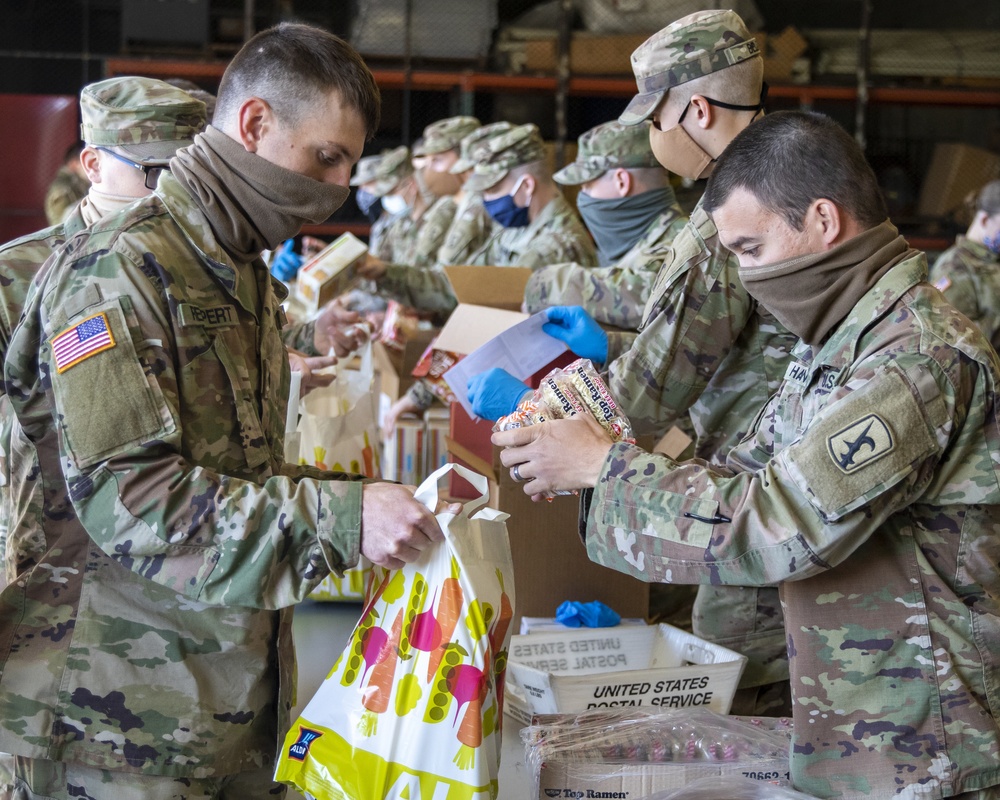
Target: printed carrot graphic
369, 456
468, 684
319, 453
375, 696
448, 613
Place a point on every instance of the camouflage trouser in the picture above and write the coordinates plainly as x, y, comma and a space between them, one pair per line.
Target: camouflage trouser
36, 779
749, 621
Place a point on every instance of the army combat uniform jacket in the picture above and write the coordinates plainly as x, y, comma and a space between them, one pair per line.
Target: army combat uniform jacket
869, 488
143, 631
614, 295
20, 260
707, 349
555, 235
968, 274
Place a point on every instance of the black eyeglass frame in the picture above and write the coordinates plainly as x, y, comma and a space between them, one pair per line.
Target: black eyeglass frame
150, 173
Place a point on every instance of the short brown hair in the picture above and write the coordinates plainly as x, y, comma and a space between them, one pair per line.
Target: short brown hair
289, 65
791, 158
988, 199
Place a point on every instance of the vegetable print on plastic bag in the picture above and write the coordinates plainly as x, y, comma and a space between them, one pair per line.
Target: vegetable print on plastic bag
412, 708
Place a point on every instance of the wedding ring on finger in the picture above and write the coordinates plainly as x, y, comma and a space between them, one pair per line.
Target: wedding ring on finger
515, 473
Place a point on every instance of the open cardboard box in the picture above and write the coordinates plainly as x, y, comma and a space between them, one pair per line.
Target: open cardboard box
550, 562
655, 666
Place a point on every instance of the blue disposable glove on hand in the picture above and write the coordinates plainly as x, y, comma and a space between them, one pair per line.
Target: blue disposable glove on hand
495, 393
286, 262
589, 615
573, 325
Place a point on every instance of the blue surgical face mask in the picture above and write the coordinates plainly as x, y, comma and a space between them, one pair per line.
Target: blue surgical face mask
365, 200
992, 243
505, 211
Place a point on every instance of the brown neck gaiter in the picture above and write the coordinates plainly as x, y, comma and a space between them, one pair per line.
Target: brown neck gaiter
251, 204
811, 294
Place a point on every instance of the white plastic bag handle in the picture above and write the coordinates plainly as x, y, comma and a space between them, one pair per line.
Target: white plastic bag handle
366, 368
427, 492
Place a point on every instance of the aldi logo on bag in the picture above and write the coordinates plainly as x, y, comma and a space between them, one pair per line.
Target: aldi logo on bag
300, 749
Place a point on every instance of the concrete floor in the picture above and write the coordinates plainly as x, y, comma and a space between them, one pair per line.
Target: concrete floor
322, 630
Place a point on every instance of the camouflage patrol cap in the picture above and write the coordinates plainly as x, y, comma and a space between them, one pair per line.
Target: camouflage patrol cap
693, 46
608, 146
364, 170
514, 148
445, 134
474, 145
393, 166
149, 120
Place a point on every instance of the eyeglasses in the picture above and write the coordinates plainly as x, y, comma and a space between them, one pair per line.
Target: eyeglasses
151, 174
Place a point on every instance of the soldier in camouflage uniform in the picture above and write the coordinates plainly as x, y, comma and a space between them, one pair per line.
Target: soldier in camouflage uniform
364, 174
705, 348
969, 272
68, 187
407, 204
116, 114
148, 634
629, 206
868, 487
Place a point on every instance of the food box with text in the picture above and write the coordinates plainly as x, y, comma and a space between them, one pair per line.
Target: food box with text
657, 666
331, 272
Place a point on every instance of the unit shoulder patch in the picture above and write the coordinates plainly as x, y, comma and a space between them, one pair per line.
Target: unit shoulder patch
943, 283
860, 443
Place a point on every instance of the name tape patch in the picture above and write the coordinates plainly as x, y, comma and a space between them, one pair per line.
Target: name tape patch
85, 339
211, 317
860, 443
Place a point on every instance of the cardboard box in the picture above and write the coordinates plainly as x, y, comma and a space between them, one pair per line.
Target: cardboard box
330, 272
552, 625
575, 779
589, 53
550, 562
395, 367
956, 171
783, 55
657, 666
495, 287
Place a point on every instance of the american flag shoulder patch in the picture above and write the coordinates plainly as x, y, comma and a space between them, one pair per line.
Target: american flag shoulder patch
85, 339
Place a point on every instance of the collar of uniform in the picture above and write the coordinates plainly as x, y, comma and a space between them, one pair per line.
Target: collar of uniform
193, 223
841, 348
660, 225
977, 250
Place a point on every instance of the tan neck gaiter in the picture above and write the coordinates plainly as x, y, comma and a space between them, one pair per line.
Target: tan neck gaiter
251, 204
97, 204
811, 294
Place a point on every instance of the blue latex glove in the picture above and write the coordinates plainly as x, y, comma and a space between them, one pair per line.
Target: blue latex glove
589, 615
495, 393
286, 262
573, 325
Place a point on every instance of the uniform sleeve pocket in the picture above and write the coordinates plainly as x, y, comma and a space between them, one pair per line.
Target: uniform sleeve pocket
661, 515
105, 401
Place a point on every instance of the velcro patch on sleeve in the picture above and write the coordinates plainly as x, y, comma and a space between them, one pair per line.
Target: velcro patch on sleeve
85, 339
943, 283
867, 442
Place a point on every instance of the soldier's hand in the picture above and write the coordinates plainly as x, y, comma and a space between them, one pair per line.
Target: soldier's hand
372, 268
574, 326
556, 455
309, 367
395, 528
338, 330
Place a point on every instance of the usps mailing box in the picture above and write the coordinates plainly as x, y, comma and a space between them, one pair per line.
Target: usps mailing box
657, 666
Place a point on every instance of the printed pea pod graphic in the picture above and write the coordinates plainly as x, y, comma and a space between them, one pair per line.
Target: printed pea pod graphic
439, 701
414, 605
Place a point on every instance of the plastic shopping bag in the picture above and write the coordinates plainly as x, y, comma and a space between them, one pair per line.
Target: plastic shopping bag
339, 425
338, 431
412, 709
